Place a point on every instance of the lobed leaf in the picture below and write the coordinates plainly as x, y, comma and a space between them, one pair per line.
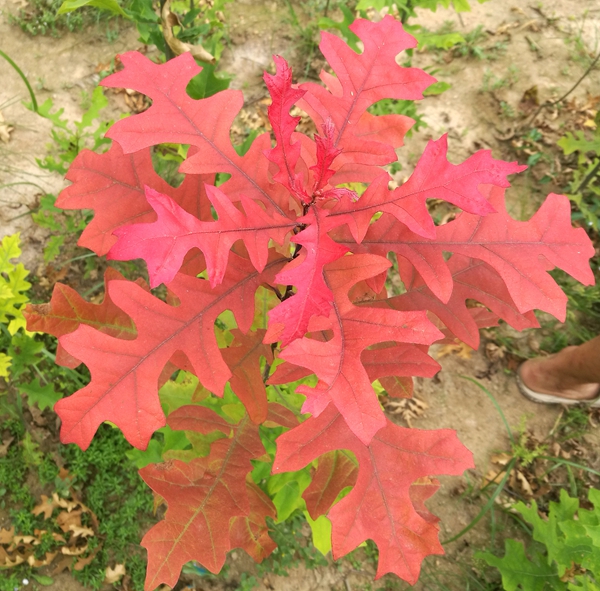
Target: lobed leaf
379, 507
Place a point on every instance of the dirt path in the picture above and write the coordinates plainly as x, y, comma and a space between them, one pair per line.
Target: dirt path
534, 45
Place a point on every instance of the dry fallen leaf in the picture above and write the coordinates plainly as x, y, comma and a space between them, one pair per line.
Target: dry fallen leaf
7, 535
73, 551
407, 409
5, 129
83, 562
114, 574
46, 507
67, 518
524, 485
84, 532
5, 445
48, 558
461, 349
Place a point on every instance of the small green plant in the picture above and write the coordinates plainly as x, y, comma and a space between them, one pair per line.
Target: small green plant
491, 82
13, 296
175, 28
407, 8
567, 553
584, 189
583, 315
68, 140
474, 45
40, 17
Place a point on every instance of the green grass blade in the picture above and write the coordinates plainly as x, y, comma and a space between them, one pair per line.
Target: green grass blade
495, 403
487, 506
23, 77
569, 463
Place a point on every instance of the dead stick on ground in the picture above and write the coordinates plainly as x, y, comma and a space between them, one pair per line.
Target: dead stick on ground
564, 96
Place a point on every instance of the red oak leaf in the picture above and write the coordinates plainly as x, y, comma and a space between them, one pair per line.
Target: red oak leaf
175, 117
202, 495
67, 310
112, 185
380, 505
433, 178
289, 320
251, 532
420, 491
522, 253
125, 373
213, 504
403, 360
361, 81
472, 280
165, 243
243, 360
398, 387
393, 366
387, 234
355, 328
286, 153
335, 471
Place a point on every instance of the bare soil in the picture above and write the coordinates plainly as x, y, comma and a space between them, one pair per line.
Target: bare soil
537, 45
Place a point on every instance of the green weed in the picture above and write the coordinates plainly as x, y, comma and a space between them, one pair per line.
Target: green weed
491, 82
583, 314
39, 17
566, 552
584, 189
103, 478
474, 46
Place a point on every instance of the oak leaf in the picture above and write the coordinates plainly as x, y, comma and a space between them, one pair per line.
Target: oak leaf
379, 507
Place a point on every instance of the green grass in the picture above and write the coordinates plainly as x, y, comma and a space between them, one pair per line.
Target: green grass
106, 482
39, 17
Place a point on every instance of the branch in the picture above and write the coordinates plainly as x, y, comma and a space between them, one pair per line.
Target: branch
564, 96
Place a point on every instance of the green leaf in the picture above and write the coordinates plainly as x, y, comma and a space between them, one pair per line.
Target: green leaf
242, 148
565, 538
25, 352
437, 40
32, 456
519, 572
321, 533
342, 27
583, 583
108, 5
44, 396
436, 88
42, 579
52, 248
45, 111
98, 102
5, 363
286, 490
178, 392
287, 500
234, 411
570, 143
207, 82
12, 284
154, 453
10, 250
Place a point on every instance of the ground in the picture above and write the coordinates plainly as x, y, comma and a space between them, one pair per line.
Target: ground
529, 49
